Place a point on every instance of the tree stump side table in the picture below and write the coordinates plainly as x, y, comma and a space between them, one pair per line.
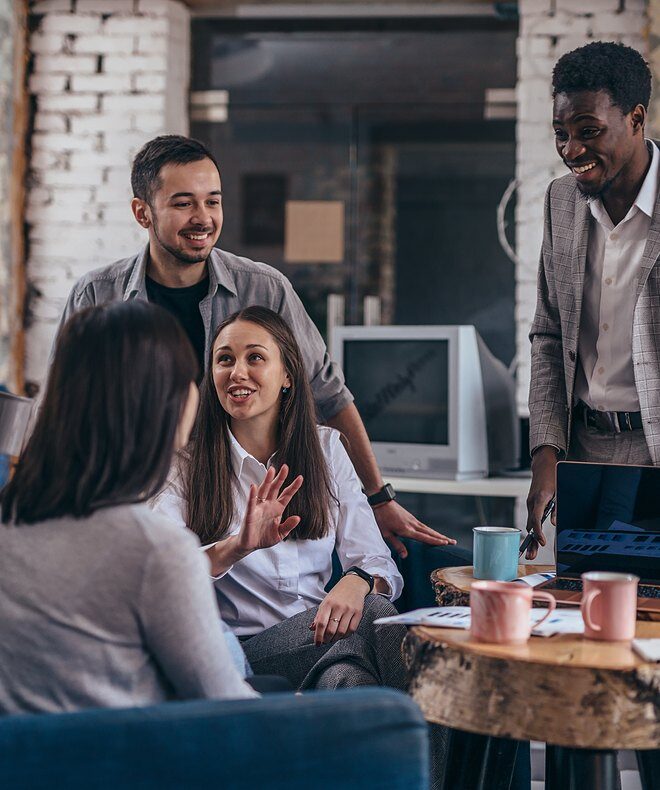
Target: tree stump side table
452, 585
585, 699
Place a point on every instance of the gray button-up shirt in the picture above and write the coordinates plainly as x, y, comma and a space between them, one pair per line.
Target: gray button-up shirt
234, 283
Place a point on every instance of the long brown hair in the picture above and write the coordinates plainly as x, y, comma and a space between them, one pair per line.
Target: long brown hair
209, 478
106, 430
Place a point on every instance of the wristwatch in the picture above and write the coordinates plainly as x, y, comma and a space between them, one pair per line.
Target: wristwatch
386, 494
355, 571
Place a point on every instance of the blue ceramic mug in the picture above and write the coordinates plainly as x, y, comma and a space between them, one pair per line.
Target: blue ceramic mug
495, 551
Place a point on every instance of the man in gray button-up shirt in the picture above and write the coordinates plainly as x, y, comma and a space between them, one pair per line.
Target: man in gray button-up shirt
178, 200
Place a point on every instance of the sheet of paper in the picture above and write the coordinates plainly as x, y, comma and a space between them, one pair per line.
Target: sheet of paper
441, 616
534, 579
648, 649
561, 621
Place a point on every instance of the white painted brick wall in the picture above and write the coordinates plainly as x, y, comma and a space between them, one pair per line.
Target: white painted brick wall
548, 29
71, 23
107, 76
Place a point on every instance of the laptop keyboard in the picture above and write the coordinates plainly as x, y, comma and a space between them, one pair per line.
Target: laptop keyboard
575, 585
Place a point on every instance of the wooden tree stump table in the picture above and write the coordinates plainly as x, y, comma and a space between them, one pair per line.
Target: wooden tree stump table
585, 699
452, 585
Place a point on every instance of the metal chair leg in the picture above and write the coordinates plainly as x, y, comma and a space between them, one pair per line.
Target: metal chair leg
648, 761
478, 762
577, 769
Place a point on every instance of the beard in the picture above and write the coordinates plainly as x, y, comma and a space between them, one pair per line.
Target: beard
600, 190
597, 190
175, 252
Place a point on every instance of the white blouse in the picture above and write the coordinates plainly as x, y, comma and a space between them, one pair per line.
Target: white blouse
271, 585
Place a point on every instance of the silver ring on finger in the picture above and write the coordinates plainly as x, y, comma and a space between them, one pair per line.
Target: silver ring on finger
335, 619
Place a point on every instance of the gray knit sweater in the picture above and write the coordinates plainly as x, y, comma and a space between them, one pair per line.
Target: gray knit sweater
109, 611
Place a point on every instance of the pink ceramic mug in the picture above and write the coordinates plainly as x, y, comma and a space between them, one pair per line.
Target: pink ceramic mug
609, 605
500, 611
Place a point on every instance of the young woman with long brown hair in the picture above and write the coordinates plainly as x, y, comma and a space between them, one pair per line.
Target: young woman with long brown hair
105, 603
257, 413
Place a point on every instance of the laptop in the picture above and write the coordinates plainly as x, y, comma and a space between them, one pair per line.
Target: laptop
608, 519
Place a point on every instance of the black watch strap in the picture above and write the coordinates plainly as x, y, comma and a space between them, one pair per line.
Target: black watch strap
355, 571
386, 494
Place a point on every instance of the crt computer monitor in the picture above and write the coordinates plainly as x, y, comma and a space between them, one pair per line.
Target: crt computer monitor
434, 400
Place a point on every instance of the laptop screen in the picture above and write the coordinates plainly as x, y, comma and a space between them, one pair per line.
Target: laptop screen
608, 519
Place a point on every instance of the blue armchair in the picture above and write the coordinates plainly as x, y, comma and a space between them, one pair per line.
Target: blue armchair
360, 738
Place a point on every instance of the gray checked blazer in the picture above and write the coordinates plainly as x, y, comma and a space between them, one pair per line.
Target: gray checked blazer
554, 331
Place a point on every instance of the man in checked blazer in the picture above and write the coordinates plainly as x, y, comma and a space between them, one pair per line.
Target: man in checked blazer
595, 378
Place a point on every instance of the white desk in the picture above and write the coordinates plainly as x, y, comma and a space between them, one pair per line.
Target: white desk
484, 486
514, 487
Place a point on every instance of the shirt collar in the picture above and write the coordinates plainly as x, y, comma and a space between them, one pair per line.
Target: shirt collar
136, 283
239, 455
219, 275
645, 200
646, 197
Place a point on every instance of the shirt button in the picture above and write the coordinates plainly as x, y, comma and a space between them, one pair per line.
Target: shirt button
601, 371
606, 327
614, 237
608, 281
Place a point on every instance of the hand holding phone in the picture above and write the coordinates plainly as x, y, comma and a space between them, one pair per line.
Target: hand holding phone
530, 535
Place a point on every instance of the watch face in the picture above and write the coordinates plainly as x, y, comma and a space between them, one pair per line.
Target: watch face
387, 489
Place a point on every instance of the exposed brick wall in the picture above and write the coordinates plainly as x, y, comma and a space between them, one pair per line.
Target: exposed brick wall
107, 75
548, 29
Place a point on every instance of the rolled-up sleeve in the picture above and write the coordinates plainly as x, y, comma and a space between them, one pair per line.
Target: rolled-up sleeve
326, 377
359, 541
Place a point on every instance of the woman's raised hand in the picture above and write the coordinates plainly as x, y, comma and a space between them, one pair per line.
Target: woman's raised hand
263, 526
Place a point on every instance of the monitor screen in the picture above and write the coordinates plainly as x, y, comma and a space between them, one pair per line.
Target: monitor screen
401, 388
608, 519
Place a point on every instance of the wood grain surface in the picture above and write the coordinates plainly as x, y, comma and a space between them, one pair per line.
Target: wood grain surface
452, 585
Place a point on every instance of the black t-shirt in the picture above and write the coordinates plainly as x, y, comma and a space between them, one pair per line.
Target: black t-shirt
184, 304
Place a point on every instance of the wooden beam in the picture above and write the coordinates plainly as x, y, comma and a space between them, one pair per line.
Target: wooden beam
17, 191
456, 7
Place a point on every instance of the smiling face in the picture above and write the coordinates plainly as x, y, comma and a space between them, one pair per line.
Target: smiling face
598, 142
184, 216
248, 373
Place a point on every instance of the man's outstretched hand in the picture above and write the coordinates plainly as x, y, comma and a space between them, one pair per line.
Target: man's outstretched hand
396, 522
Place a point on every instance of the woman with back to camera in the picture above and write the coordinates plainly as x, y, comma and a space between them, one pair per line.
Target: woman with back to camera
256, 411
105, 603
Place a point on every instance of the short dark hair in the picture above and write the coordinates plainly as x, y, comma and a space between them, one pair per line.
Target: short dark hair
106, 430
164, 150
605, 66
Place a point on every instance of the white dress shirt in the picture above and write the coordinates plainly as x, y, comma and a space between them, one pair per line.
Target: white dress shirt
605, 379
271, 585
